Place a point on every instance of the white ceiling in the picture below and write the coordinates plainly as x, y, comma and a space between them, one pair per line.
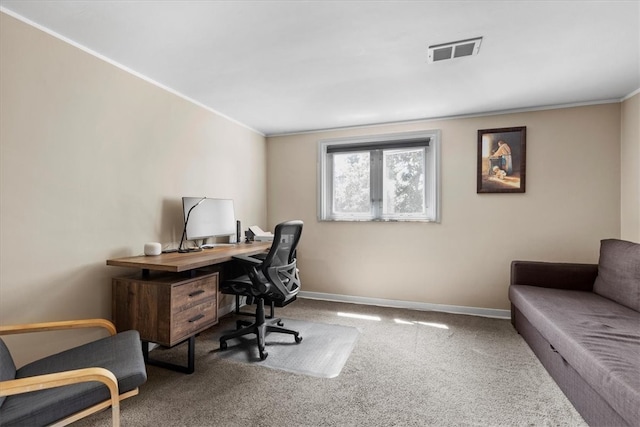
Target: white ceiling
289, 66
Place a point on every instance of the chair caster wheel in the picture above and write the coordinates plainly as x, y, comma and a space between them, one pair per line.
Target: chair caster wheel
263, 355
223, 345
298, 339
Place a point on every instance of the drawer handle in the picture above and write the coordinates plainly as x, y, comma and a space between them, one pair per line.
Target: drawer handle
194, 293
196, 318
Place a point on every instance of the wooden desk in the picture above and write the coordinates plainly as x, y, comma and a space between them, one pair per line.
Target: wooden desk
176, 262
177, 301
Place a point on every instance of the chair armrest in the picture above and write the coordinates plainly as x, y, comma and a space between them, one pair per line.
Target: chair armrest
571, 276
59, 379
58, 325
255, 262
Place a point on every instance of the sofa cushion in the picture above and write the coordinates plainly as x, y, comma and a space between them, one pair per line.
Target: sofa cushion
7, 366
619, 272
599, 338
121, 354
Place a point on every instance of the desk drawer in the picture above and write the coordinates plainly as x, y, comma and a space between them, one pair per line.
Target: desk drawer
194, 319
166, 308
193, 293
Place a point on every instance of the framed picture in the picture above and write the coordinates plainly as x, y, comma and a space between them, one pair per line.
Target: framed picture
502, 160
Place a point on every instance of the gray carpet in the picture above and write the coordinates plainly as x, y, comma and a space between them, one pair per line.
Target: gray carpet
322, 353
409, 368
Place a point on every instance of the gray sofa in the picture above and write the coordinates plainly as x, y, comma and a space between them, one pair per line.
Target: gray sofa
583, 322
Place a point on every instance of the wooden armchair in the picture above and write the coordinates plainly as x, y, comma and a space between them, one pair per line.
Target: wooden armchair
65, 387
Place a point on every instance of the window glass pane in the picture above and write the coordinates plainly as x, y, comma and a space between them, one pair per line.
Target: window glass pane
403, 183
351, 183
390, 177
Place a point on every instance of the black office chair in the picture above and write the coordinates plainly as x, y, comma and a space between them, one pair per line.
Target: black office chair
274, 278
249, 300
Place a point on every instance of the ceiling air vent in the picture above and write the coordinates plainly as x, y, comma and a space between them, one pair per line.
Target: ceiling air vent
444, 51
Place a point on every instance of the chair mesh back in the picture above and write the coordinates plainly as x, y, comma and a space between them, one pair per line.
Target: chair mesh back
280, 263
288, 237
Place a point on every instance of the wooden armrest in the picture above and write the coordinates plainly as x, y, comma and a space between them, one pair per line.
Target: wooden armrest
59, 379
58, 325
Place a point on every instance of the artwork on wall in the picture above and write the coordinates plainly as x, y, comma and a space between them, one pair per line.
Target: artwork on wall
502, 160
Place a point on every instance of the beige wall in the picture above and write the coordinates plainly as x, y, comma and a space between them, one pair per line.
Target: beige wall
94, 163
572, 201
630, 170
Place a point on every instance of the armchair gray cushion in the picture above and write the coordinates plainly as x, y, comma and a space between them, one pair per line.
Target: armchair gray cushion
121, 354
7, 367
619, 272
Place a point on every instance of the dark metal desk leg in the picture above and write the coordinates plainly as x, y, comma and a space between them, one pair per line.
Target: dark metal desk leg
145, 351
191, 356
189, 369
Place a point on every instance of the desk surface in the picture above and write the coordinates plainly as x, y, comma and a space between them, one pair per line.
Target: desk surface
177, 262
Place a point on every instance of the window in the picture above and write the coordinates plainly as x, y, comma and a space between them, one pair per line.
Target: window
380, 178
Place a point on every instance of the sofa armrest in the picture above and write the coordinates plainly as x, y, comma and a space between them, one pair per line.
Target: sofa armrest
578, 277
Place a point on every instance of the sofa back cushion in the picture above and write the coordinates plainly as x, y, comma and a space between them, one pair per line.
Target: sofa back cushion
619, 272
7, 366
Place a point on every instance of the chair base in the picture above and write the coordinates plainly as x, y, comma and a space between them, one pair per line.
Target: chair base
260, 328
272, 304
250, 301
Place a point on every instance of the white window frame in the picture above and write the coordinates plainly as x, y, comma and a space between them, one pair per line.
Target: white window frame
432, 177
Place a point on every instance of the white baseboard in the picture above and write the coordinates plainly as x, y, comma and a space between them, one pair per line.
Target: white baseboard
412, 305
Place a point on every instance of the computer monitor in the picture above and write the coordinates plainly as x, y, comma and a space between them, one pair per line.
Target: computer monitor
210, 218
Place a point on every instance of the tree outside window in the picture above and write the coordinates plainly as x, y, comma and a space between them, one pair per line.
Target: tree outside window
380, 178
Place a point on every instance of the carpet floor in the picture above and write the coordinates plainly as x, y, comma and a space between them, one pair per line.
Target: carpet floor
407, 368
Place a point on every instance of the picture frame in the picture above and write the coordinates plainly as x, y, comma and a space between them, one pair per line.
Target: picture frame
502, 160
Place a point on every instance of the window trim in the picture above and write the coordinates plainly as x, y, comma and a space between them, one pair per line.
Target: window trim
432, 173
